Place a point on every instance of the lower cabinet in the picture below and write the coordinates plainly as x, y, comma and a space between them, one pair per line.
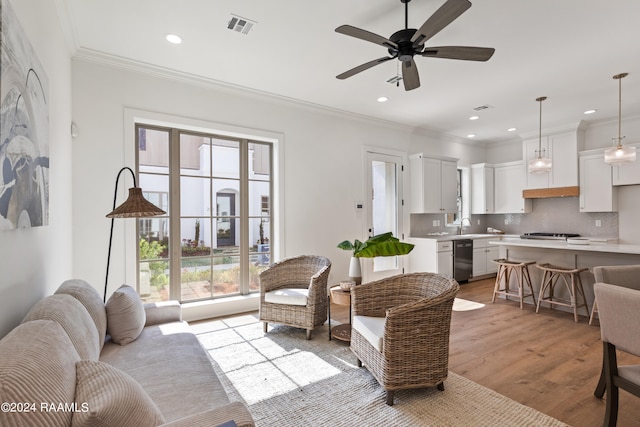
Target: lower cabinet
431, 255
445, 260
483, 256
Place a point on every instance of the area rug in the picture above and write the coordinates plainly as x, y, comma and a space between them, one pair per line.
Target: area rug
289, 381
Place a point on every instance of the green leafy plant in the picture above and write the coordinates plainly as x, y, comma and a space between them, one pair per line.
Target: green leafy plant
380, 245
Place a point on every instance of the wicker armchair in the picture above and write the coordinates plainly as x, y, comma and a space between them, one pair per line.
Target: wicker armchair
294, 292
401, 330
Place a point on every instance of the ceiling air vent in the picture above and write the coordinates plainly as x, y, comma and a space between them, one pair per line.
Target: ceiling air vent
482, 107
240, 24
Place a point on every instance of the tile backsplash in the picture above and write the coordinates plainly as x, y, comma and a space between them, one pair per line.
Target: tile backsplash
555, 215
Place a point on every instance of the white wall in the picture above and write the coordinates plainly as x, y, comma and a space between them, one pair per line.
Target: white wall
35, 261
323, 163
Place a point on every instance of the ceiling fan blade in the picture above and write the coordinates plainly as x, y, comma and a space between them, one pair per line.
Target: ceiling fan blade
442, 17
467, 53
363, 67
366, 36
410, 75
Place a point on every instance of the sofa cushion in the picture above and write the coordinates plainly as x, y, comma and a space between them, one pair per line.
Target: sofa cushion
372, 329
74, 319
37, 365
125, 315
167, 360
113, 398
291, 296
90, 299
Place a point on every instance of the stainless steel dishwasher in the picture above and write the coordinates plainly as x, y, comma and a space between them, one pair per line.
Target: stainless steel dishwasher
462, 259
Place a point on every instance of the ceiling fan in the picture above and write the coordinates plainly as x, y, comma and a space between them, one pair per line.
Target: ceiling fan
405, 44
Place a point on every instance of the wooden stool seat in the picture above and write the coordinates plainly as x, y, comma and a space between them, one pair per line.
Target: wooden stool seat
503, 277
572, 282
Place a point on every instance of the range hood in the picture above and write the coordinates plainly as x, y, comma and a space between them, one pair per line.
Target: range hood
546, 193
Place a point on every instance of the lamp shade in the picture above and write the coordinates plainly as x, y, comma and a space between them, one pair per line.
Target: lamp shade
620, 155
136, 206
540, 165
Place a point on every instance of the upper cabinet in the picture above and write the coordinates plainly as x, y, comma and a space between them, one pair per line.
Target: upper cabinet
482, 182
563, 150
627, 174
434, 184
509, 182
596, 192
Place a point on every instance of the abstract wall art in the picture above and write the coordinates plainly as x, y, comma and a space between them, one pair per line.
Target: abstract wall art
24, 129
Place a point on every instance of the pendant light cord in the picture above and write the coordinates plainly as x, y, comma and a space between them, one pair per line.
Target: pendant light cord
619, 77
542, 98
620, 110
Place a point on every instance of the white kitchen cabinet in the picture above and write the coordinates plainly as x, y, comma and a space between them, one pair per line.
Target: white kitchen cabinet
508, 186
563, 150
434, 184
483, 256
431, 255
445, 259
482, 183
627, 174
596, 191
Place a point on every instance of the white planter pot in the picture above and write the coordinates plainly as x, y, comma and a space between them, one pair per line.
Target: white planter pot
355, 271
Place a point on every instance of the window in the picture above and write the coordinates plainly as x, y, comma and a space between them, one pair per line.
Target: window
463, 197
214, 240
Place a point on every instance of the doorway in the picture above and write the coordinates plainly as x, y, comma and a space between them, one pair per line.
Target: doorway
225, 222
384, 208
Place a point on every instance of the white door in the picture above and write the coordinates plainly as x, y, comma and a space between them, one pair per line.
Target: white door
384, 213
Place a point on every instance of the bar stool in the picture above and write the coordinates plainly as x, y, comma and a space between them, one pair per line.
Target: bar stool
573, 283
521, 270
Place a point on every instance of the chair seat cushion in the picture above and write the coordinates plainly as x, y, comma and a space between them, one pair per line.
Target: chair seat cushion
372, 329
630, 372
291, 296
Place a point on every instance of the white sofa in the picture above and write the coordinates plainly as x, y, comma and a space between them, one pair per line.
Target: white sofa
74, 361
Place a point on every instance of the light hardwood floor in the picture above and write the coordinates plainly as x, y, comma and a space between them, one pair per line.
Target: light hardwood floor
545, 360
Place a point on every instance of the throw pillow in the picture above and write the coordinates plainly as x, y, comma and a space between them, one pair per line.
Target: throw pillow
108, 397
125, 315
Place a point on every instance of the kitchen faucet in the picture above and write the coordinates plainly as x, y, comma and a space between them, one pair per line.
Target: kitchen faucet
462, 224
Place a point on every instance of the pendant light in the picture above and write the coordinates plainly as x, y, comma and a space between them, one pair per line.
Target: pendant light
619, 154
540, 164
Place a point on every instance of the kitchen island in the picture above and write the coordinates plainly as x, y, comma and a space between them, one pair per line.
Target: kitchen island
563, 254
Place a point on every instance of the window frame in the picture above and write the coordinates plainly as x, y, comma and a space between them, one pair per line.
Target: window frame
154, 119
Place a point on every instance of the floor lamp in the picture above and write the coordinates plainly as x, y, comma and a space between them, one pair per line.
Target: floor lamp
136, 206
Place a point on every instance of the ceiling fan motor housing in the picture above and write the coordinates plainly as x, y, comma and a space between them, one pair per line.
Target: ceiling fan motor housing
405, 50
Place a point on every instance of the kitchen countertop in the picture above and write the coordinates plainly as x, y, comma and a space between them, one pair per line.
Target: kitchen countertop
445, 237
562, 245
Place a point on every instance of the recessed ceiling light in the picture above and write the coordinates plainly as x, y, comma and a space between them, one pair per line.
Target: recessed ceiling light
474, 117
511, 129
173, 38
471, 135
383, 99
590, 111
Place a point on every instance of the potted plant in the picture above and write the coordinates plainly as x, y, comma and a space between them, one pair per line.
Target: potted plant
380, 245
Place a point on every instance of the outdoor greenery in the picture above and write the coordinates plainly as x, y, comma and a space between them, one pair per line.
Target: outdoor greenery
151, 251
196, 264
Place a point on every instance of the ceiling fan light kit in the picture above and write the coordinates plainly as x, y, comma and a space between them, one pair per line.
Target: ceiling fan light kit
409, 42
620, 154
540, 164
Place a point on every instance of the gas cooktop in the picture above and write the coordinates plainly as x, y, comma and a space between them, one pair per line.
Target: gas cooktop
548, 236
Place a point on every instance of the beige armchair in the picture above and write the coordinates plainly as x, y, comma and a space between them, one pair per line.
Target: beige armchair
619, 310
626, 276
401, 328
621, 275
293, 292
